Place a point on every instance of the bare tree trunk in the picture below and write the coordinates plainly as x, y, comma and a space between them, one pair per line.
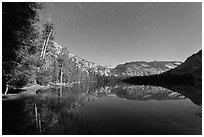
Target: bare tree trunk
54, 72
61, 76
36, 115
40, 127
43, 48
45, 44
7, 88
60, 96
37, 120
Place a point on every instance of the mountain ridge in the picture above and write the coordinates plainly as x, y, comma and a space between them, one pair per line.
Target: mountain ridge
191, 66
143, 68
187, 73
131, 69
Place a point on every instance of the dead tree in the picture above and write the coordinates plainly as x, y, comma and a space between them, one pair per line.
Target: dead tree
45, 44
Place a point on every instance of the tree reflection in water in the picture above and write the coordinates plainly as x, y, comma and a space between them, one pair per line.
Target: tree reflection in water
52, 111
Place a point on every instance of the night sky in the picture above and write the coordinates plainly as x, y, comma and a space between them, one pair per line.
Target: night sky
115, 33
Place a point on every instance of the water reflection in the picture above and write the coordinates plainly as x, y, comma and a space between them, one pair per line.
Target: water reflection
193, 93
145, 92
105, 109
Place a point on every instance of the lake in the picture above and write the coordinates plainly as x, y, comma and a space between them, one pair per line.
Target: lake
104, 110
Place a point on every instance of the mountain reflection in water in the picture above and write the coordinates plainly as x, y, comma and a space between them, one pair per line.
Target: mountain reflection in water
96, 109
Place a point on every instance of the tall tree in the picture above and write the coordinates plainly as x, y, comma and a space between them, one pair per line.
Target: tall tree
47, 55
47, 36
20, 36
60, 61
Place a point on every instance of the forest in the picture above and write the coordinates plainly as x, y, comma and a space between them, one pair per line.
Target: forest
30, 55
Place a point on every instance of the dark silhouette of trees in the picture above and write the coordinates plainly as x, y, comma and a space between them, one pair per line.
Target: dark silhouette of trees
161, 80
20, 40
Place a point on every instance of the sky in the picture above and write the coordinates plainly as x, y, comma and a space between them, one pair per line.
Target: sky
112, 33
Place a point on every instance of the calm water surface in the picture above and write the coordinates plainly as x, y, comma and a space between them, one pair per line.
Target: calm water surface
94, 109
